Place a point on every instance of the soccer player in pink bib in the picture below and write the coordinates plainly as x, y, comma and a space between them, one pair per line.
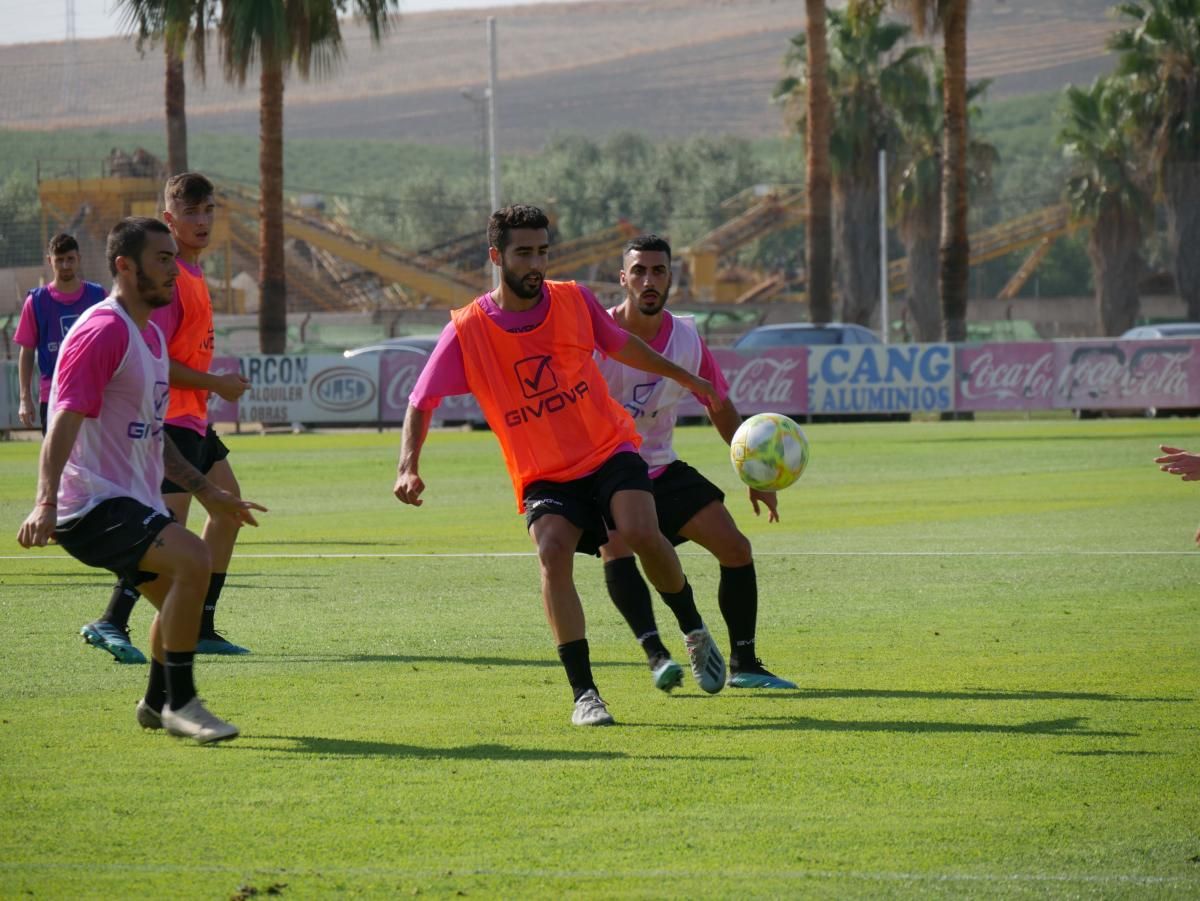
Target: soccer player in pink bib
690, 507
102, 464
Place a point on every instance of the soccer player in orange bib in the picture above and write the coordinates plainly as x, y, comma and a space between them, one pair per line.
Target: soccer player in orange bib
190, 208
525, 351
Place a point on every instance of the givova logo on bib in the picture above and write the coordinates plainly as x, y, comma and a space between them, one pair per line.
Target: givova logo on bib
539, 384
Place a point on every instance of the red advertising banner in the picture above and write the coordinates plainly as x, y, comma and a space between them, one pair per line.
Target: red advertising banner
1127, 375
1011, 376
398, 372
774, 381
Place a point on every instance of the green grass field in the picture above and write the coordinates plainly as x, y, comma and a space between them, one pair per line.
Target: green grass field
995, 627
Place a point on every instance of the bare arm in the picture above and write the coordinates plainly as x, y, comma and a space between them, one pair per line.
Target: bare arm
726, 418
229, 385
25, 362
408, 487
637, 353
56, 449
217, 501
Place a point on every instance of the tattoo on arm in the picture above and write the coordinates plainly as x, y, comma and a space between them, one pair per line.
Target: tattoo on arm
179, 470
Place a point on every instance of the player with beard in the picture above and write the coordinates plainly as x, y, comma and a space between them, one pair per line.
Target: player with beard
102, 466
690, 507
45, 317
525, 351
190, 209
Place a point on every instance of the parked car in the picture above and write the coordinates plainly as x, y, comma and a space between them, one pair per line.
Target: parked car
422, 343
1163, 330
804, 334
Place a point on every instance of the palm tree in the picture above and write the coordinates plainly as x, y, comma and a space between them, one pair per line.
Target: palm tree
176, 23
1161, 53
950, 16
275, 35
1100, 137
917, 193
869, 78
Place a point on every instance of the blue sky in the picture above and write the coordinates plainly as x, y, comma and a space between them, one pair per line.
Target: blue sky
95, 19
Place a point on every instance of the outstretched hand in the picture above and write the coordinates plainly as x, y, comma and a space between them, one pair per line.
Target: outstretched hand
221, 504
1179, 462
767, 499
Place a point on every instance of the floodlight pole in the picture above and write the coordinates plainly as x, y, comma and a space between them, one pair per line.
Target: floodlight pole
884, 325
493, 157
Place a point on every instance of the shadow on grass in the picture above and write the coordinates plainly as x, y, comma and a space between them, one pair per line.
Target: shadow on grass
1068, 726
342, 747
549, 662
1105, 752
966, 694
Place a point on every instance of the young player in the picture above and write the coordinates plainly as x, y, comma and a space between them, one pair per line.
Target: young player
525, 351
190, 208
690, 507
102, 466
45, 317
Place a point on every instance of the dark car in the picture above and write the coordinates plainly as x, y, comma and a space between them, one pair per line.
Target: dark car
804, 334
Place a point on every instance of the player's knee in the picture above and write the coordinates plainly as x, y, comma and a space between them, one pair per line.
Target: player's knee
554, 550
642, 537
737, 552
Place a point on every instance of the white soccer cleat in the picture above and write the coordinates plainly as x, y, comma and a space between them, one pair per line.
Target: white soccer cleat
147, 716
194, 721
708, 666
590, 710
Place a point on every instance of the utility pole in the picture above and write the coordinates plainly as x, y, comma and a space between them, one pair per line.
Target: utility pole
884, 324
70, 80
493, 157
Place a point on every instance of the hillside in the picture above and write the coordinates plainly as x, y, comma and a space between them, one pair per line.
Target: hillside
671, 68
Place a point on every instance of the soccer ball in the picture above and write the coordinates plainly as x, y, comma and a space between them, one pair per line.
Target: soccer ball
768, 451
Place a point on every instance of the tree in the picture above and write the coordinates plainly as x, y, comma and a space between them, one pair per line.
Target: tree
917, 192
869, 78
1100, 137
175, 23
950, 16
1160, 52
276, 35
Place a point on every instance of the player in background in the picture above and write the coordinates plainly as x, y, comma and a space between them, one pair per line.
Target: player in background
525, 351
102, 466
190, 208
46, 316
1179, 462
690, 507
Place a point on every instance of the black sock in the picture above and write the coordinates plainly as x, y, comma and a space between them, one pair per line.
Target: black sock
683, 605
631, 596
737, 596
181, 685
577, 662
215, 583
156, 690
120, 605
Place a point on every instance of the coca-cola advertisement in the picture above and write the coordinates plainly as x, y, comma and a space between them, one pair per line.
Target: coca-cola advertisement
398, 371
774, 381
1013, 376
1127, 375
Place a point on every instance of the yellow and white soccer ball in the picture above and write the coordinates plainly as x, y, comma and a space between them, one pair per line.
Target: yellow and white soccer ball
769, 451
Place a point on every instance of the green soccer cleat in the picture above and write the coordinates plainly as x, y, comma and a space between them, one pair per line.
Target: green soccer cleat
756, 676
666, 673
112, 638
215, 643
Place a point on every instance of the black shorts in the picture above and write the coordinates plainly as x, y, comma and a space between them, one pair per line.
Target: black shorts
114, 535
585, 502
680, 492
44, 409
202, 451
